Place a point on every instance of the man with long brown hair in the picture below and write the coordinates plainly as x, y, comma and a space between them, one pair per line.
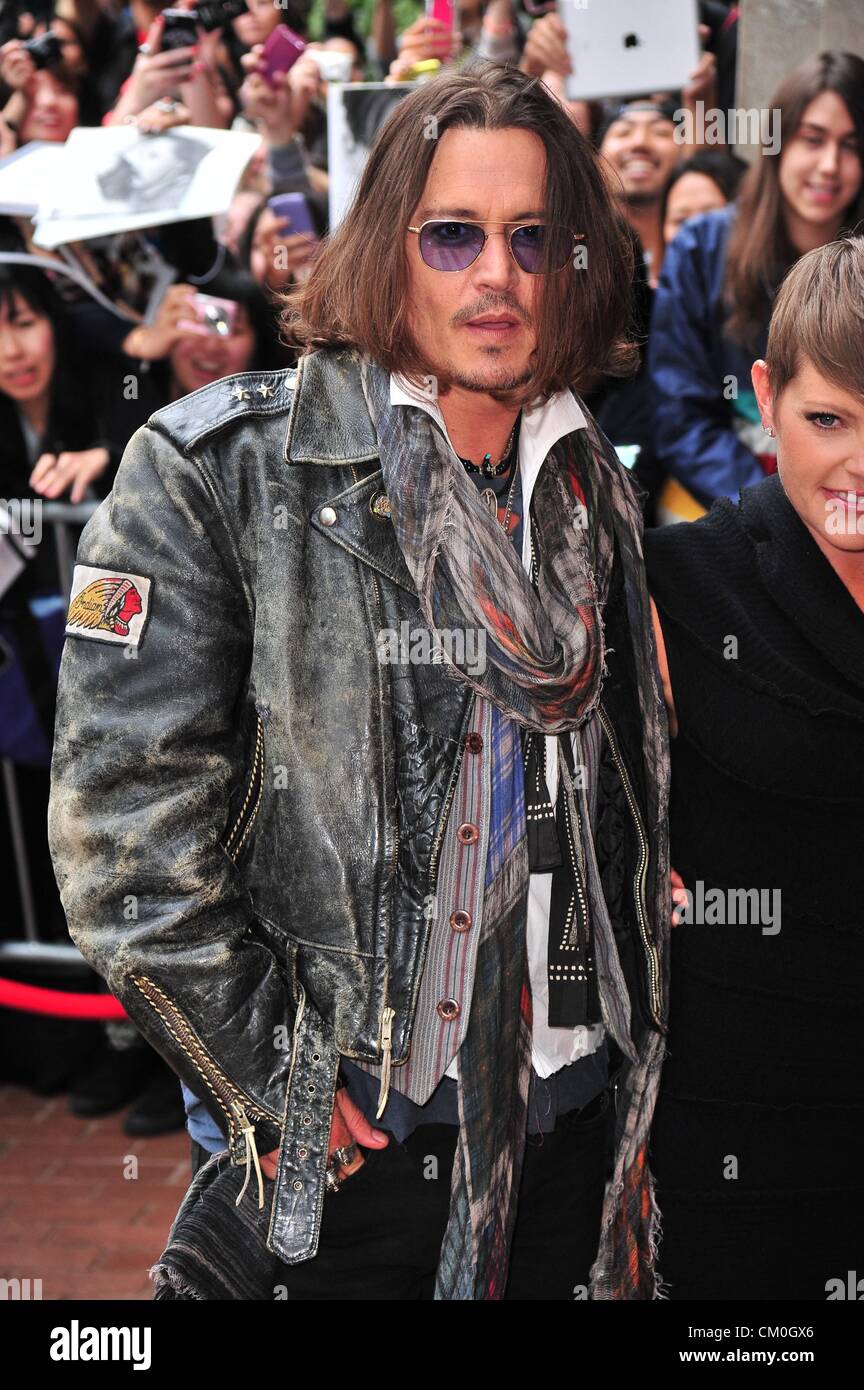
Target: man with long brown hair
385, 806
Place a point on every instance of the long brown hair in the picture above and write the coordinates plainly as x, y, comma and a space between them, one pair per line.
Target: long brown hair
357, 295
759, 251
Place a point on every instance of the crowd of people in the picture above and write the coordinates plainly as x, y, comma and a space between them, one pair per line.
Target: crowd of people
714, 236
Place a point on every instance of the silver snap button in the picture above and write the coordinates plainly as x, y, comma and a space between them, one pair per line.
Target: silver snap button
327, 516
297, 1185
302, 1153
307, 1119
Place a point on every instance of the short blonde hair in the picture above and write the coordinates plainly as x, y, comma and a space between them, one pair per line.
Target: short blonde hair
819, 316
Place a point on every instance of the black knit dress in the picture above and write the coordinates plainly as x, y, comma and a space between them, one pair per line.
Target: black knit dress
758, 1144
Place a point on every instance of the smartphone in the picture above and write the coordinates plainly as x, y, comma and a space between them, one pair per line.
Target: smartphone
294, 208
212, 315
445, 10
281, 52
179, 29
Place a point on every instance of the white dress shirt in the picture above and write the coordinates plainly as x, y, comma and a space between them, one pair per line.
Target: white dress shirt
551, 1048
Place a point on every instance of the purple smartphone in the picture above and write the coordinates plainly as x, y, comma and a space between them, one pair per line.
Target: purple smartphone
295, 209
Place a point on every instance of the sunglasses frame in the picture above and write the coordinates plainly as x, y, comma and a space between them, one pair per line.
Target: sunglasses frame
478, 222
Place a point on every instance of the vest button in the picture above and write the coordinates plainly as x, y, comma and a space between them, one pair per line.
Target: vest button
448, 1009
474, 743
460, 921
327, 516
468, 834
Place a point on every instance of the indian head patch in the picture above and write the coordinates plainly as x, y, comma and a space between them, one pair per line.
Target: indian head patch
108, 605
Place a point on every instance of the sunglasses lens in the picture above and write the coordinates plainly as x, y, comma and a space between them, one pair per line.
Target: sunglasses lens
450, 245
539, 249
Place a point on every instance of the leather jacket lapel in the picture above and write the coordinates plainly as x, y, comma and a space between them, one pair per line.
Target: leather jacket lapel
367, 534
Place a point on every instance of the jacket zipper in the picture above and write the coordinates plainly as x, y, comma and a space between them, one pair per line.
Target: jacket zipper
651, 956
229, 1097
385, 1023
249, 809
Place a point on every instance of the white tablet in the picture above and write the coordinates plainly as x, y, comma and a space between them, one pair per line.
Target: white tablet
627, 47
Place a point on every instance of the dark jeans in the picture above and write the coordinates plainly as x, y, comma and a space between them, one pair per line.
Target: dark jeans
381, 1232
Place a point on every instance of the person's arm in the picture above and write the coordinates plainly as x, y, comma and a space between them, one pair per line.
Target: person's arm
499, 40
279, 113
663, 664
693, 436
676, 883
383, 33
149, 779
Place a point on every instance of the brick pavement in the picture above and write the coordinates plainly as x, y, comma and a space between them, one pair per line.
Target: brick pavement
83, 1206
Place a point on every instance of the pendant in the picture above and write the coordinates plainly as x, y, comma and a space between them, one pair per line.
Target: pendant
490, 501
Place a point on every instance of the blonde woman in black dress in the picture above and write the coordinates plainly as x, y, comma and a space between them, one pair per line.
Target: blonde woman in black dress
758, 1144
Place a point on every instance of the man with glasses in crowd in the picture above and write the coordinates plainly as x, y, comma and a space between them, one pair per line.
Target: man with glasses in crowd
362, 814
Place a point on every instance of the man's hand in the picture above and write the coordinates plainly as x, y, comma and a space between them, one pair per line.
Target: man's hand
679, 895
349, 1125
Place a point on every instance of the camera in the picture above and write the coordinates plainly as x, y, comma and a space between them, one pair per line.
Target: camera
46, 51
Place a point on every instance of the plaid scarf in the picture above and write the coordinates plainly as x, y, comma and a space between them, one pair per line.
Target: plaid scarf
544, 664
545, 646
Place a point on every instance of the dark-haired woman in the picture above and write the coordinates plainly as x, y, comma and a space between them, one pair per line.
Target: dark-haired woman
705, 182
54, 445
758, 1139
52, 439
721, 272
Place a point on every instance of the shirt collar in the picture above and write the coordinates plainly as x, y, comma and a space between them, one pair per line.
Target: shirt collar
540, 429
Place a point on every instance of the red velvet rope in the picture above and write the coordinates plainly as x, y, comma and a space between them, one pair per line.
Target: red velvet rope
32, 999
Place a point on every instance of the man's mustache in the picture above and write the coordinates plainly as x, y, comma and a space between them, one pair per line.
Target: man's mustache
488, 306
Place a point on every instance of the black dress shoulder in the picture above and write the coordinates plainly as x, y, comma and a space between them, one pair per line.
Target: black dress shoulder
760, 1124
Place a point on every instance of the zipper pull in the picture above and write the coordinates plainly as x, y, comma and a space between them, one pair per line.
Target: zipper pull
247, 1129
387, 1044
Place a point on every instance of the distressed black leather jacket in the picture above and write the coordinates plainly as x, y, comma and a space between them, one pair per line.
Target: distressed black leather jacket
247, 807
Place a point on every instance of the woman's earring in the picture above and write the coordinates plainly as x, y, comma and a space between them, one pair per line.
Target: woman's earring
769, 429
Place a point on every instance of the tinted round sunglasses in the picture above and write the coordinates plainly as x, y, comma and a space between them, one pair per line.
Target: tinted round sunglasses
538, 248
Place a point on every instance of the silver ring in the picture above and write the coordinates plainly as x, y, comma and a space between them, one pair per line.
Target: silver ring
144, 48
332, 1180
344, 1157
166, 105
